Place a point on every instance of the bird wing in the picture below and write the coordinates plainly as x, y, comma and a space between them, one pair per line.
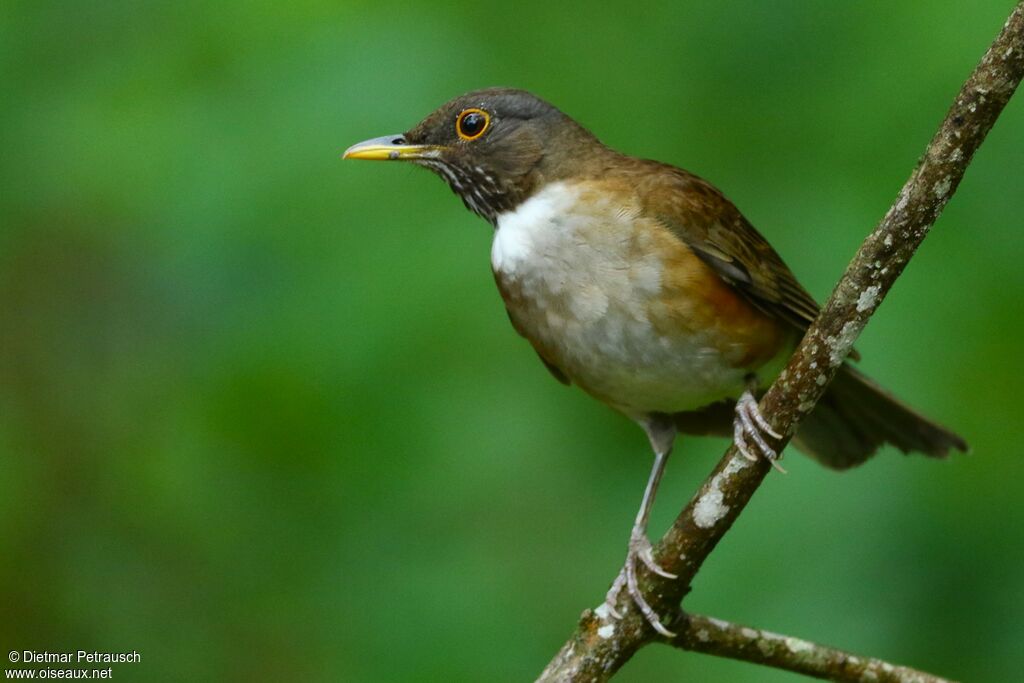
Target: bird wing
714, 229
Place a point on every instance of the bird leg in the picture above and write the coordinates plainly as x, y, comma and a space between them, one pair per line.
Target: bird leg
661, 433
750, 426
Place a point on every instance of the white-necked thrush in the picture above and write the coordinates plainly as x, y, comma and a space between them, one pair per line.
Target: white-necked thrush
642, 284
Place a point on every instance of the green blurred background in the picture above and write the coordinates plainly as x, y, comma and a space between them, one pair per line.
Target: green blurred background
262, 416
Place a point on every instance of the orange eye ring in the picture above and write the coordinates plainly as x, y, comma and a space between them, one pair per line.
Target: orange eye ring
472, 123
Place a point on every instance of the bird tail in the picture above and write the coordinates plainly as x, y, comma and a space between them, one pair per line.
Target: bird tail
856, 416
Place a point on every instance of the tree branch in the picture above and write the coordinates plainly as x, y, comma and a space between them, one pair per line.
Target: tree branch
602, 644
721, 638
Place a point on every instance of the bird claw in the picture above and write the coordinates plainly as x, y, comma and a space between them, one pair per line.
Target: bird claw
639, 549
640, 546
613, 595
750, 426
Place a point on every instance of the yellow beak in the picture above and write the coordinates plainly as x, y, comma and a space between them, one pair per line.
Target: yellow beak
389, 148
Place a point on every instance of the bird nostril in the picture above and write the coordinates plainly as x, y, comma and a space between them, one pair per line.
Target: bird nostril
398, 141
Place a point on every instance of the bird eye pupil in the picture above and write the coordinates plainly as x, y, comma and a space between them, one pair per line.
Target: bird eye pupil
472, 124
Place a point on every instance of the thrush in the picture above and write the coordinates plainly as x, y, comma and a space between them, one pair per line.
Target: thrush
643, 285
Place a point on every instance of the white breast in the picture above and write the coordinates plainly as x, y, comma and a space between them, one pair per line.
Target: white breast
582, 279
522, 231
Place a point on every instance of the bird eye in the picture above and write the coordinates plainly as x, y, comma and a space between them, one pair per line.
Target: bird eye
472, 123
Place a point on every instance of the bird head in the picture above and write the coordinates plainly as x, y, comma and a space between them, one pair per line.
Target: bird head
493, 147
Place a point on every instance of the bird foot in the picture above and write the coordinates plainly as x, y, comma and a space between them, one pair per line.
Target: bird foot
639, 550
750, 426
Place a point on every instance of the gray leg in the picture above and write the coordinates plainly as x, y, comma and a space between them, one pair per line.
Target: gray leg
661, 433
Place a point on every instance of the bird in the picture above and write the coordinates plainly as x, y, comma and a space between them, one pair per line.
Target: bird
643, 285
